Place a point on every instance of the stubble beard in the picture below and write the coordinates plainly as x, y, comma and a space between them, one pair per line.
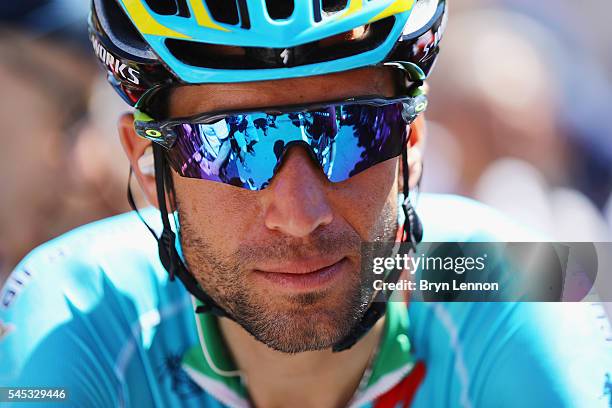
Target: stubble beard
287, 323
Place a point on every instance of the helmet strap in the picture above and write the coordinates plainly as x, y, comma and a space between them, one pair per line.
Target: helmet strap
412, 234
166, 242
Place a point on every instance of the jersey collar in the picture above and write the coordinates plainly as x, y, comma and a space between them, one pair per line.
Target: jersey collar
209, 363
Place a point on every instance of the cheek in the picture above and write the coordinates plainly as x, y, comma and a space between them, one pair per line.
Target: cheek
364, 198
215, 212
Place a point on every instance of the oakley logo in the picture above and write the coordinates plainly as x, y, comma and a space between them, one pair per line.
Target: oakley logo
115, 64
153, 133
421, 107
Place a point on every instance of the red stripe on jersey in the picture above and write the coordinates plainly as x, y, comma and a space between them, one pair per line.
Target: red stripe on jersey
402, 394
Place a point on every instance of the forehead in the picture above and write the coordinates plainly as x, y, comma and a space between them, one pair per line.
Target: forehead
194, 99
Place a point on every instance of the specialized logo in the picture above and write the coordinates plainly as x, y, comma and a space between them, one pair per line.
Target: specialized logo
5, 329
285, 55
115, 64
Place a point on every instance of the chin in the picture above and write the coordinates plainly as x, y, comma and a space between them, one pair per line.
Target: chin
307, 322
304, 332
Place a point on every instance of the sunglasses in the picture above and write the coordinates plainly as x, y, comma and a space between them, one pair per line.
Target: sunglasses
245, 149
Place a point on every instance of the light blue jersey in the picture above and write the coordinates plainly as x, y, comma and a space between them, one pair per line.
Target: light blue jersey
94, 312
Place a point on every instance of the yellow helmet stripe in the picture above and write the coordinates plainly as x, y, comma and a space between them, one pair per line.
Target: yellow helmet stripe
398, 6
353, 7
146, 23
202, 16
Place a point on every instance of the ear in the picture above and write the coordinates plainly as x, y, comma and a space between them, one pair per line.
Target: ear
416, 146
139, 152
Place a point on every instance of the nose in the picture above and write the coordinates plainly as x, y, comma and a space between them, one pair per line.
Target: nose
296, 203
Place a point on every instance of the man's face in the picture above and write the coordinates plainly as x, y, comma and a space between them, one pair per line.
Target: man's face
285, 261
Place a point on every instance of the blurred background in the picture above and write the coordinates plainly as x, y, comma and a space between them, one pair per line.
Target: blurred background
520, 118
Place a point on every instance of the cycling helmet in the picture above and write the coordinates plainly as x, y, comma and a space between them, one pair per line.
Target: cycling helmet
149, 44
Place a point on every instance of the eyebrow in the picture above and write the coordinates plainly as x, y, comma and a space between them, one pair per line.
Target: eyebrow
377, 85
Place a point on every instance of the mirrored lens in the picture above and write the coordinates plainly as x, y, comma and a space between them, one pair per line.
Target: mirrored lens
244, 150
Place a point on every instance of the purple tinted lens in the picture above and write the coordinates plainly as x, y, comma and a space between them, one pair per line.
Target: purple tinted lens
244, 149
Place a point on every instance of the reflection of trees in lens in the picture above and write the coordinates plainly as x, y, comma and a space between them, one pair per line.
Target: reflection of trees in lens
264, 124
377, 130
242, 140
296, 119
238, 132
237, 123
261, 124
279, 146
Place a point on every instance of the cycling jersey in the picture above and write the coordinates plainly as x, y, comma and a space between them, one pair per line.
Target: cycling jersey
94, 312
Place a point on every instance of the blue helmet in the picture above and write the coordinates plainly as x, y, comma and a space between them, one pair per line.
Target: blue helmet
149, 44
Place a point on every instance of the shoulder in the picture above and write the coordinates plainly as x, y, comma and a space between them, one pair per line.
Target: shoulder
80, 258
453, 218
505, 353
104, 273
512, 354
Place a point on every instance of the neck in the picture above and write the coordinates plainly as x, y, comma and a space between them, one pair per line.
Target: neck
316, 378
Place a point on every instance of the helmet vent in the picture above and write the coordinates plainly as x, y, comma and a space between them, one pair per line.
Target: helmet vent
169, 7
223, 11
245, 58
333, 6
163, 7
120, 30
183, 8
280, 9
245, 21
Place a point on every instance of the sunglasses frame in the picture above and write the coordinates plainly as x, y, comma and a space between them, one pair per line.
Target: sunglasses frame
162, 133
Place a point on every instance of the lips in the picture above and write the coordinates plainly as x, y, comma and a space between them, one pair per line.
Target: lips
303, 276
300, 267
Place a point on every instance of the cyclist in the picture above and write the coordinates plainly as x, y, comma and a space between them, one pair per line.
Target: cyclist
272, 310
